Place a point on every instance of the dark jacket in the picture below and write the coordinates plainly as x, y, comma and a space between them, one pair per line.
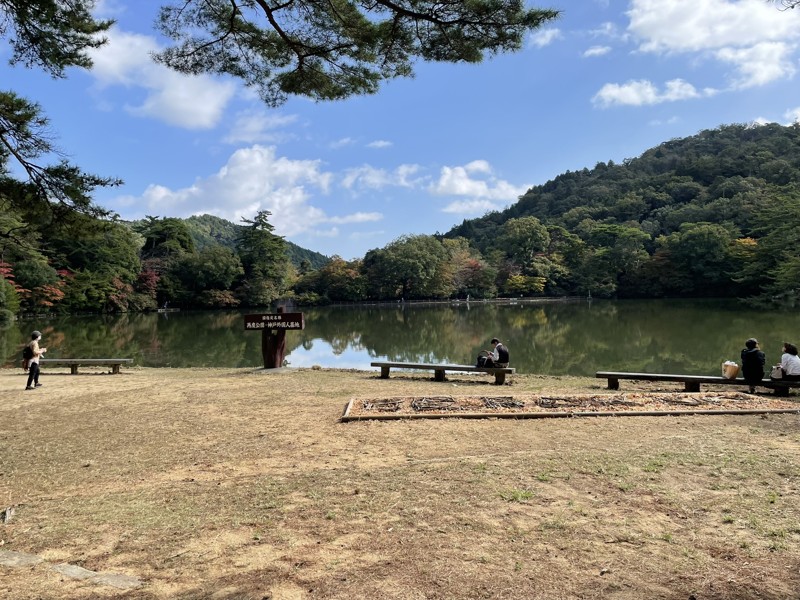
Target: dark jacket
753, 364
502, 353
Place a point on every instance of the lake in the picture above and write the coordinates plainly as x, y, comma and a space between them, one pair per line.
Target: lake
551, 338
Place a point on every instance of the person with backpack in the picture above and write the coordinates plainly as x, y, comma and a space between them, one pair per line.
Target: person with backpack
31, 355
497, 357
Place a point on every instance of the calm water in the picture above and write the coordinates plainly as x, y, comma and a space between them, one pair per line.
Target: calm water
684, 336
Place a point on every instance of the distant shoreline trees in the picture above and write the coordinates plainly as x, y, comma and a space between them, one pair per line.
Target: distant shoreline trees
712, 215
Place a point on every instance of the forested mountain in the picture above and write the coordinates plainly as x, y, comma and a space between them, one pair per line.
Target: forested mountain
718, 176
717, 213
65, 261
207, 230
714, 214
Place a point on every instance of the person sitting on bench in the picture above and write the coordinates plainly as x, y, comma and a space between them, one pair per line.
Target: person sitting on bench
790, 362
753, 360
497, 357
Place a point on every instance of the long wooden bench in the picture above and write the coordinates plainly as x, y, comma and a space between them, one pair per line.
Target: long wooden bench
692, 382
74, 363
439, 370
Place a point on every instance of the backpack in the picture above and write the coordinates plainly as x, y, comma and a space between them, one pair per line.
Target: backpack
27, 355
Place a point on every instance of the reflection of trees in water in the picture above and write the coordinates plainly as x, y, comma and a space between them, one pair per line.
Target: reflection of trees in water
437, 334
557, 338
11, 342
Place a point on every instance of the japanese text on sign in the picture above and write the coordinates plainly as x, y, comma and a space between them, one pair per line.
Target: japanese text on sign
274, 321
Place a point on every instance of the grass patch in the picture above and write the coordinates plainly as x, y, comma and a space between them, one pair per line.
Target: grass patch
516, 495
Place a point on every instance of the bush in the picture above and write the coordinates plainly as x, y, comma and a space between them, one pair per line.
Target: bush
9, 298
6, 318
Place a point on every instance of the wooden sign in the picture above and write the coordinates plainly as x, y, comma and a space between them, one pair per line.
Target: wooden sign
280, 321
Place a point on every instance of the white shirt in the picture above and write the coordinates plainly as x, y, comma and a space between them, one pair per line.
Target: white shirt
790, 364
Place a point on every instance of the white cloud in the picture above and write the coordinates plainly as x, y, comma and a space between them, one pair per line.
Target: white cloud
597, 51
607, 30
460, 181
379, 144
478, 166
253, 126
752, 35
105, 9
792, 115
642, 92
253, 179
333, 232
470, 207
191, 102
759, 64
369, 177
545, 37
693, 25
360, 217
341, 143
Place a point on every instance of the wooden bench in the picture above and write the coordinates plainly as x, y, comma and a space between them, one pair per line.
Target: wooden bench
692, 382
438, 370
74, 363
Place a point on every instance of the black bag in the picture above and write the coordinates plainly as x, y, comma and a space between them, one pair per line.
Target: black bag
483, 361
27, 355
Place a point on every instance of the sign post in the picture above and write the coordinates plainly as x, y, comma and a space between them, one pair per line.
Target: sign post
273, 328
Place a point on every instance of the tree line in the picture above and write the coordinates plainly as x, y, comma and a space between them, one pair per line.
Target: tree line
711, 215
716, 214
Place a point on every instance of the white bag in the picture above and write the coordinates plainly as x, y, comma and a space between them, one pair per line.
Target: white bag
730, 369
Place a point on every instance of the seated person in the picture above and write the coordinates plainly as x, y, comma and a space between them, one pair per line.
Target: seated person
790, 363
497, 357
753, 360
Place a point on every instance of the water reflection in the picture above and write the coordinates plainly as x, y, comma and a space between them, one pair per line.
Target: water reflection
553, 338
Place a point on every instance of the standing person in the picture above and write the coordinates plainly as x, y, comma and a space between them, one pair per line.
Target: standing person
498, 356
790, 363
33, 363
753, 360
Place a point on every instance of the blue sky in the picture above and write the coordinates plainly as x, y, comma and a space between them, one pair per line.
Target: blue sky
607, 81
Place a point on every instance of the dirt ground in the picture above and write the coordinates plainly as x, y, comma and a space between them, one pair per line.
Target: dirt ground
244, 484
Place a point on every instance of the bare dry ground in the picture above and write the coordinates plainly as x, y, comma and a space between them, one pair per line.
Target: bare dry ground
244, 484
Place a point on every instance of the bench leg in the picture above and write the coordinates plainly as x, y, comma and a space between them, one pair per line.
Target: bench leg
73, 369
115, 369
499, 378
613, 384
438, 375
781, 390
692, 386
384, 372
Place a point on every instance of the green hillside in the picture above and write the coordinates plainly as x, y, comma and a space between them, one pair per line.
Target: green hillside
722, 176
207, 230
